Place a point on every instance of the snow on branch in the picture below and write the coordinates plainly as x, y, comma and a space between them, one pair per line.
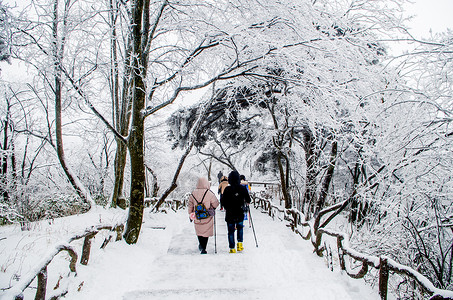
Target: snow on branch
82, 94
16, 291
383, 263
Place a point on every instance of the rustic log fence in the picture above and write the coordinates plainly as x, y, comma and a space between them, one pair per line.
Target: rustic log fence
40, 271
385, 265
173, 204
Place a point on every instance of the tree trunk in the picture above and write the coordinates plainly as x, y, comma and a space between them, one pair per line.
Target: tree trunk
284, 184
310, 177
155, 188
121, 109
119, 165
136, 135
353, 217
83, 194
58, 57
328, 178
173, 184
209, 170
13, 165
278, 144
4, 166
134, 220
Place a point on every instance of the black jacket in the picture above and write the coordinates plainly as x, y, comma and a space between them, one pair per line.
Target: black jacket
234, 198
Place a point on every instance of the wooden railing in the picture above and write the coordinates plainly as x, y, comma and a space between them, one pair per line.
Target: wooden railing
40, 271
315, 232
173, 204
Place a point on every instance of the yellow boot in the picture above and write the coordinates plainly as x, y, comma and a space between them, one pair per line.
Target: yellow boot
240, 247
232, 250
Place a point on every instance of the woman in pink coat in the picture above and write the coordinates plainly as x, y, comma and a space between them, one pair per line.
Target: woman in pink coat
203, 228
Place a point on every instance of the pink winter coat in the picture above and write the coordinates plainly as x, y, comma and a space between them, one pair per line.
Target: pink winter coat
203, 227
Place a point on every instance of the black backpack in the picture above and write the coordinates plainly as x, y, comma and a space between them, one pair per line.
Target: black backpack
200, 210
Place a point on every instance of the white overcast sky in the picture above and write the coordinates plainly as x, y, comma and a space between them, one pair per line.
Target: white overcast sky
430, 14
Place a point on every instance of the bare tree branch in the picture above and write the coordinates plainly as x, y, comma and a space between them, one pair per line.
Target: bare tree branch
93, 109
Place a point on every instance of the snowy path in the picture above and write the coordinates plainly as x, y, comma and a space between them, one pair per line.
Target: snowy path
169, 266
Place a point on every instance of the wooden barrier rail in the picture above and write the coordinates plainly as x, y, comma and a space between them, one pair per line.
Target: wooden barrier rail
316, 231
173, 204
40, 271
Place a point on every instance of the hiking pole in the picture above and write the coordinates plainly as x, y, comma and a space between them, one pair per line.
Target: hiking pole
250, 224
253, 228
215, 235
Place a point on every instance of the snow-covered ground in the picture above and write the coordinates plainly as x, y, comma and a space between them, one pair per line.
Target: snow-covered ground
165, 263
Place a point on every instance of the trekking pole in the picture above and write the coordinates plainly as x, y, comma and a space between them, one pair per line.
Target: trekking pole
250, 224
215, 235
253, 228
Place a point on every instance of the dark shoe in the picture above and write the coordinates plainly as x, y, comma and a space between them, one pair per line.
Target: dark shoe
203, 251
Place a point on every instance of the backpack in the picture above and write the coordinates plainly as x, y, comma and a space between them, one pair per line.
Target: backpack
200, 210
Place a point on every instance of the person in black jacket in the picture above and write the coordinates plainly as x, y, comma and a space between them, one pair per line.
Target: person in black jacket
235, 197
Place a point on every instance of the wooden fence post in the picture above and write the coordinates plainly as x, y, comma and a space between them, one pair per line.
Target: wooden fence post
119, 232
295, 220
86, 249
317, 244
73, 254
340, 252
42, 284
383, 277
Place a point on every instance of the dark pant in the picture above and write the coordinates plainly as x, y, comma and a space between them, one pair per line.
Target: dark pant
203, 241
231, 228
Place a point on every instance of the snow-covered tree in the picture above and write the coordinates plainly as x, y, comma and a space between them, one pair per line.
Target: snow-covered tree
413, 142
5, 32
308, 91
